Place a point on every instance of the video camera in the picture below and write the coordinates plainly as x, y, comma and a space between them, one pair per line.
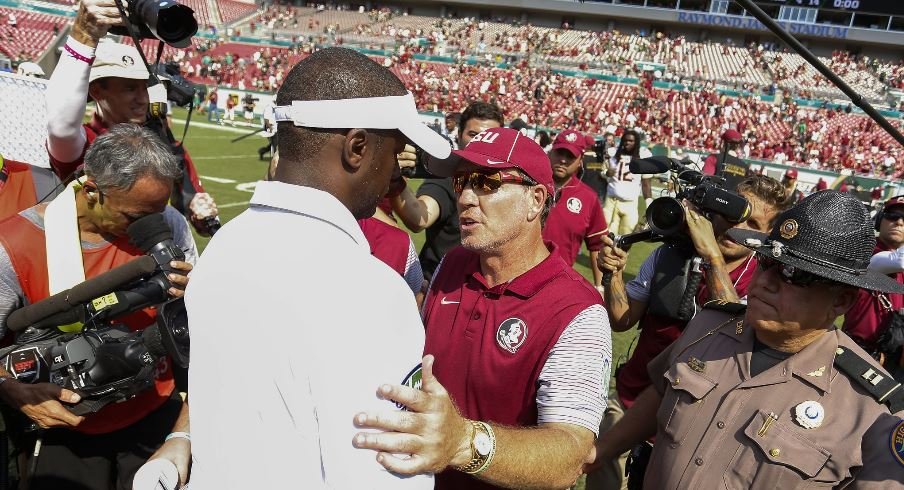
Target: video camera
179, 90
105, 362
665, 215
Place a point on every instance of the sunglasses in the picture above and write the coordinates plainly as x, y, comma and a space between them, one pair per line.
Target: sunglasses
487, 182
790, 274
892, 216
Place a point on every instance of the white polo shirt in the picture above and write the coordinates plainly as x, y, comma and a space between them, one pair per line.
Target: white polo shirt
294, 326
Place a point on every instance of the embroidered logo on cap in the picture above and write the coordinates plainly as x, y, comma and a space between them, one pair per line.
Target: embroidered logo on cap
511, 334
788, 230
574, 205
485, 136
571, 137
897, 443
127, 60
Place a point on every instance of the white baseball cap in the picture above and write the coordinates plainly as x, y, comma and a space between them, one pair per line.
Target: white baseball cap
117, 60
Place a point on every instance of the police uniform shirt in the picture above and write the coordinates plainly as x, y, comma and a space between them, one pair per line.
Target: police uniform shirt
799, 423
294, 326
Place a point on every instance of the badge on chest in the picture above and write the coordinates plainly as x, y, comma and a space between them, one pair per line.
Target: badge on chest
511, 334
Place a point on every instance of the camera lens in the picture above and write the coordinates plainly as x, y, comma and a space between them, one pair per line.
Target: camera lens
168, 21
665, 216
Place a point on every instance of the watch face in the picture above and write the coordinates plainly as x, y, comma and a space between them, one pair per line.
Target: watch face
483, 444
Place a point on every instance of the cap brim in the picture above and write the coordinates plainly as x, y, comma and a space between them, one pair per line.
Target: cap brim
571, 149
426, 139
446, 167
869, 280
111, 72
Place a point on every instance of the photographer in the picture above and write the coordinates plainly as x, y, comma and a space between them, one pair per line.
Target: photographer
114, 76
728, 162
876, 321
729, 268
128, 174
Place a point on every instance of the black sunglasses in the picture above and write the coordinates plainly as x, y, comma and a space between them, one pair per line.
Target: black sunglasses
790, 274
893, 216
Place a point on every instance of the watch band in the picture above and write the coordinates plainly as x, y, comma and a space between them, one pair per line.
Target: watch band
479, 463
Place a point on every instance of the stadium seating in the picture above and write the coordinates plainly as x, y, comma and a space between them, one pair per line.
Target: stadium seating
31, 37
231, 11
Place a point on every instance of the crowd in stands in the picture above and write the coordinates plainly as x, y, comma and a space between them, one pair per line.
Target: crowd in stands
692, 117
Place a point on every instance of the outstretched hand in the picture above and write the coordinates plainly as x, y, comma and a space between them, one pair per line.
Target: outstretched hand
431, 430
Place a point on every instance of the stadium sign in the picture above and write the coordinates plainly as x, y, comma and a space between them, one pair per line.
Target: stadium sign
738, 22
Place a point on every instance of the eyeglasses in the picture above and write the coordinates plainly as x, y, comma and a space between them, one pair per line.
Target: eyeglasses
487, 182
790, 274
892, 216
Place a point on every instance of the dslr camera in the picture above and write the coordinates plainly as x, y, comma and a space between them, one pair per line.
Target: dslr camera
166, 20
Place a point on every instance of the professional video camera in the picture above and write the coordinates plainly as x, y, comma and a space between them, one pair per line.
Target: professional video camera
166, 20
665, 215
679, 271
105, 362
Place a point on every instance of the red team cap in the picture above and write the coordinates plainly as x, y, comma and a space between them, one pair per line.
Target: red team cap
791, 173
895, 201
572, 141
500, 149
732, 136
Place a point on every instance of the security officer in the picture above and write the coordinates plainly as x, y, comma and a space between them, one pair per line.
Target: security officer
776, 397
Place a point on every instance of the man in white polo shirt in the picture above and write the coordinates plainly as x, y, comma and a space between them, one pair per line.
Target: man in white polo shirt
293, 321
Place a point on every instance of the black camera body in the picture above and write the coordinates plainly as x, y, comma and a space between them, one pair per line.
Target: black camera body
105, 362
166, 20
178, 90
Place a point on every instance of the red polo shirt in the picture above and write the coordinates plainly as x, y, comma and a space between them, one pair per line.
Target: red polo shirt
868, 317
491, 344
657, 333
576, 217
387, 243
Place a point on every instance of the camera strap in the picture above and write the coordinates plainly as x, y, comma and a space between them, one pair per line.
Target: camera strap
63, 244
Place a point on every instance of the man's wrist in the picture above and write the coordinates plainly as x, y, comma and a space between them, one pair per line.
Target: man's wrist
463, 454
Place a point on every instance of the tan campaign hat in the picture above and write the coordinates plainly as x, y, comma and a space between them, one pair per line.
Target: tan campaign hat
117, 60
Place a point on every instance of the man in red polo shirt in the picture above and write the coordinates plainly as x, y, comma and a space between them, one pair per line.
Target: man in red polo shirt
874, 313
575, 216
729, 269
789, 181
114, 76
104, 449
23, 185
520, 340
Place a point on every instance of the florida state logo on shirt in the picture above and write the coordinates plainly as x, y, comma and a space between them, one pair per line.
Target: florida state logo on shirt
511, 334
574, 205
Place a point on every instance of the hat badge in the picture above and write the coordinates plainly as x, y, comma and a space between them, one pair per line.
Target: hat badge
789, 229
128, 60
571, 137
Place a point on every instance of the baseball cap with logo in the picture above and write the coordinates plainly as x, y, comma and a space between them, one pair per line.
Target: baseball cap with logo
499, 149
117, 60
572, 141
791, 173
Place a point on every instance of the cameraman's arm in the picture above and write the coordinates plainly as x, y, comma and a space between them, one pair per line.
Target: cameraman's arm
417, 212
68, 86
889, 262
718, 282
623, 311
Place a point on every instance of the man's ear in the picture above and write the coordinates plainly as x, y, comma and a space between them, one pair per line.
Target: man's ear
844, 299
357, 145
538, 196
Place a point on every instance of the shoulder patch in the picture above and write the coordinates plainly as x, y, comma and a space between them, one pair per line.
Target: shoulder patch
897, 443
881, 386
726, 306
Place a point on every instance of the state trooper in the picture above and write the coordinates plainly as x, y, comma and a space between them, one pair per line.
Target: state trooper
772, 395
